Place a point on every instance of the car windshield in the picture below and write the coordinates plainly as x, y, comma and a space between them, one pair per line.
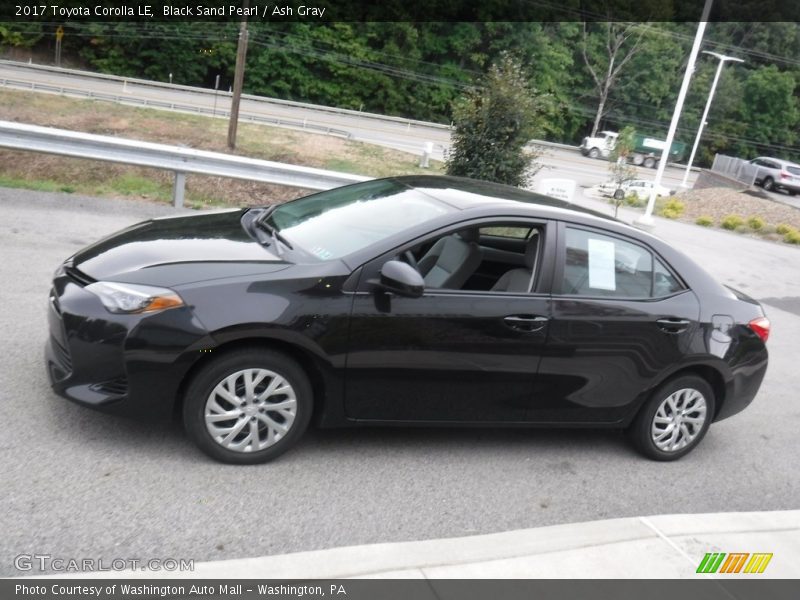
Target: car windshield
337, 222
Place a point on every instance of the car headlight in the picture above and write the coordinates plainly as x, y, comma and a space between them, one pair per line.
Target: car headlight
133, 298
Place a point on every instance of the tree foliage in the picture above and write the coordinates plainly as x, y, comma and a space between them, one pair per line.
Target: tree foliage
604, 75
492, 125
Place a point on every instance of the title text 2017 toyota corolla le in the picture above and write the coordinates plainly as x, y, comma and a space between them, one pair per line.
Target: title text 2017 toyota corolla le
411, 300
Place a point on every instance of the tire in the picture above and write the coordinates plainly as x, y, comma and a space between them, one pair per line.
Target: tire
594, 153
619, 194
649, 162
650, 431
262, 434
768, 184
638, 159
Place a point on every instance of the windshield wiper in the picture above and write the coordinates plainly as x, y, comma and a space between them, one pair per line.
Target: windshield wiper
262, 224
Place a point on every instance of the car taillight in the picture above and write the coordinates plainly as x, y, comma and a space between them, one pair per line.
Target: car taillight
760, 327
785, 175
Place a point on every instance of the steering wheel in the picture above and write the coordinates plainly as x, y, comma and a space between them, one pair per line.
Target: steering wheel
411, 259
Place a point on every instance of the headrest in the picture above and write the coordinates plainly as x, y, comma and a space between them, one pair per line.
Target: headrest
472, 235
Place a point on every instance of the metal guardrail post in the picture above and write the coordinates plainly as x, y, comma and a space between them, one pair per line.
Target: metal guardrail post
178, 189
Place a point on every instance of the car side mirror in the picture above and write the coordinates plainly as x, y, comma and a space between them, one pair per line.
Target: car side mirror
402, 279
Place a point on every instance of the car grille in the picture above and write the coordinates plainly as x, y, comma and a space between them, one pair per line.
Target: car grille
62, 356
113, 387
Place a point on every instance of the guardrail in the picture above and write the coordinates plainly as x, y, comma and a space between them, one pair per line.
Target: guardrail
221, 93
411, 124
176, 106
161, 156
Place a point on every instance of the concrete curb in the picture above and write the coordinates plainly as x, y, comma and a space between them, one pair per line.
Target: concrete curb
666, 546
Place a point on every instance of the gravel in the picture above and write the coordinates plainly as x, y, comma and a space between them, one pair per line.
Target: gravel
718, 203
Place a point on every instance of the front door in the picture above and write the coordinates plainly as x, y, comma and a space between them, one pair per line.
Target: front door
467, 355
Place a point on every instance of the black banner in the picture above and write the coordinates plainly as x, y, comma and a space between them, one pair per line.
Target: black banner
394, 589
65, 11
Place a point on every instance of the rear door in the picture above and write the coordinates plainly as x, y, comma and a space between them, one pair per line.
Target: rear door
620, 318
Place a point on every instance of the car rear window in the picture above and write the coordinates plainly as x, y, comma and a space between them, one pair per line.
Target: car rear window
793, 170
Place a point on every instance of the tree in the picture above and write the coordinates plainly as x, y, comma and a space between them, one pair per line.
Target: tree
605, 52
493, 123
621, 170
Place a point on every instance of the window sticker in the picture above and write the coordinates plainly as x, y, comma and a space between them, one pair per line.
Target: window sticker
601, 265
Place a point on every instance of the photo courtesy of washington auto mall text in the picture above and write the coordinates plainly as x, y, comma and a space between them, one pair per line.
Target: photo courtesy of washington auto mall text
170, 590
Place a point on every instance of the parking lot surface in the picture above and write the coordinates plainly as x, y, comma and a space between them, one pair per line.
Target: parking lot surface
79, 484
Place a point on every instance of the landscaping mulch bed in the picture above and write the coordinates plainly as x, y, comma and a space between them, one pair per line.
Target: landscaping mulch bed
719, 203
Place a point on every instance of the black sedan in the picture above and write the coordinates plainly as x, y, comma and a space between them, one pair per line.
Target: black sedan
402, 301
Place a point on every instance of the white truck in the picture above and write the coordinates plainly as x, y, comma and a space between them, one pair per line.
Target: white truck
646, 150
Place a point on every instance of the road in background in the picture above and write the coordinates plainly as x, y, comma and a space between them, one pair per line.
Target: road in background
401, 134
77, 483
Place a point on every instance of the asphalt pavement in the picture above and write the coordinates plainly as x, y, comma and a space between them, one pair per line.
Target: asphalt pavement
79, 484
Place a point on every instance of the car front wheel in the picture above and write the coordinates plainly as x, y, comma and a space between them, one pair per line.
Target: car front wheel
248, 406
675, 419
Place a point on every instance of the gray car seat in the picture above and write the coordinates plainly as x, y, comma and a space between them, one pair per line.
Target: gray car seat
451, 260
519, 280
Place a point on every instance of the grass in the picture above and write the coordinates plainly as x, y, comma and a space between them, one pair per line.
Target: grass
62, 174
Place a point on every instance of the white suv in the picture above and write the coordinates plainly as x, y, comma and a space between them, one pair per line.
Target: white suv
775, 174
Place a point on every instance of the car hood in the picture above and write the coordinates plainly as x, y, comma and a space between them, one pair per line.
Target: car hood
186, 247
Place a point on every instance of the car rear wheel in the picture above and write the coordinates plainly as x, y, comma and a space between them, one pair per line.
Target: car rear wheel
594, 153
675, 419
248, 407
649, 162
768, 184
619, 194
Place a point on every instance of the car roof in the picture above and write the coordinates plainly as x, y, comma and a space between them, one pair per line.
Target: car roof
782, 161
472, 194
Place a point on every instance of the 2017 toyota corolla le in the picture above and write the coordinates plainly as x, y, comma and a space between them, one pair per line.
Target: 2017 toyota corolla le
410, 300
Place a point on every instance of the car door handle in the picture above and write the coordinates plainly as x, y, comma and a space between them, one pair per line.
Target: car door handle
673, 325
527, 323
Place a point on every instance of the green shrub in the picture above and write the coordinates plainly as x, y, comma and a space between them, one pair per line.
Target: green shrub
675, 205
670, 213
705, 221
792, 237
756, 223
783, 228
633, 200
731, 222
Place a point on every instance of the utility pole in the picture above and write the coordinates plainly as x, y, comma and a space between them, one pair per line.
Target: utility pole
238, 78
59, 36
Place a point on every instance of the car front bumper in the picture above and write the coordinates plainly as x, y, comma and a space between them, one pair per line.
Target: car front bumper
131, 365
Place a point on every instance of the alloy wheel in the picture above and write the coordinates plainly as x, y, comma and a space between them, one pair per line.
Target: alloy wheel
250, 410
679, 420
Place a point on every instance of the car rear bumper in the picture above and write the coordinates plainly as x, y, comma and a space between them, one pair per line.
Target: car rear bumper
130, 365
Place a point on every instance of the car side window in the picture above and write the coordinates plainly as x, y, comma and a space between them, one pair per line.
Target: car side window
600, 265
664, 282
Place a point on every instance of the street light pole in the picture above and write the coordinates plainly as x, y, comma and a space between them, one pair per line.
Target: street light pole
722, 59
646, 220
